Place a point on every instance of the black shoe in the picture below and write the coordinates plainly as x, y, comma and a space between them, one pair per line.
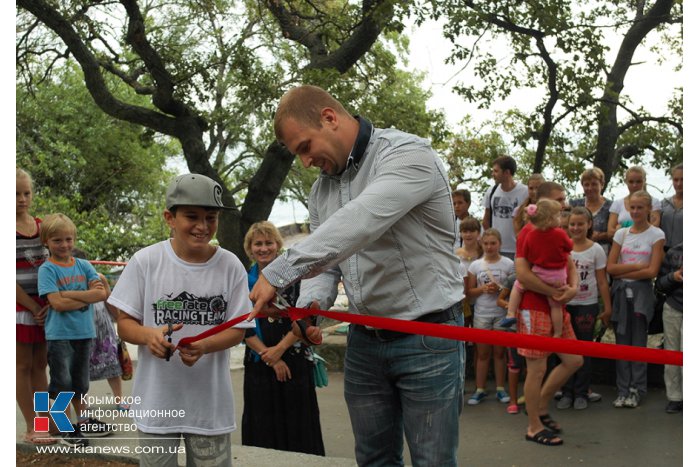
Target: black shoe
72, 438
93, 428
674, 406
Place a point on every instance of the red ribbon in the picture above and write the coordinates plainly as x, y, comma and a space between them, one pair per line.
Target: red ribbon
482, 336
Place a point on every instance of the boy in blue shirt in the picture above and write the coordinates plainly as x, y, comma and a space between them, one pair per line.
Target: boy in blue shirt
71, 285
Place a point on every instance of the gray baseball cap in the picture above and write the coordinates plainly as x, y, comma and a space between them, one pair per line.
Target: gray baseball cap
194, 190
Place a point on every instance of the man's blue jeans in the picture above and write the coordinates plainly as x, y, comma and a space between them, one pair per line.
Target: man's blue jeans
412, 384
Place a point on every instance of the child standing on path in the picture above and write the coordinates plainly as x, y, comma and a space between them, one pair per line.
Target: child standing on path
485, 278
547, 248
635, 259
189, 285
71, 286
590, 260
31, 310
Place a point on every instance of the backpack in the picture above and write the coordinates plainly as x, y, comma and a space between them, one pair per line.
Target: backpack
493, 189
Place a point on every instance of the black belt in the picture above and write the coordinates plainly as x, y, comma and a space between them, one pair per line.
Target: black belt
437, 317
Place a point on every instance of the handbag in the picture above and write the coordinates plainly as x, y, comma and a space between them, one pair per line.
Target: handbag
125, 361
320, 372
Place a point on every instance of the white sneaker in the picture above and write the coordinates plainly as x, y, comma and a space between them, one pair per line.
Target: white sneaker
619, 402
632, 400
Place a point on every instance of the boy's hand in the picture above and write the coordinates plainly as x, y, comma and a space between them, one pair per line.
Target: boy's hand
156, 342
192, 352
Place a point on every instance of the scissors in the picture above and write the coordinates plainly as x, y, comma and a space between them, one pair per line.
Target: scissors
168, 352
283, 305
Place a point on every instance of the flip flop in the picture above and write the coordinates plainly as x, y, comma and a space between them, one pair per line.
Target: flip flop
39, 439
546, 438
550, 424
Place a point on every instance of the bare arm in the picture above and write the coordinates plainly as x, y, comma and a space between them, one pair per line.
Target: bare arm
255, 343
655, 218
486, 221
25, 300
612, 224
273, 354
502, 300
474, 291
95, 293
604, 292
616, 269
651, 269
131, 330
61, 303
191, 353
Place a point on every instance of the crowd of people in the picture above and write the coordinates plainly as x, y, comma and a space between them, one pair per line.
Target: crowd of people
385, 221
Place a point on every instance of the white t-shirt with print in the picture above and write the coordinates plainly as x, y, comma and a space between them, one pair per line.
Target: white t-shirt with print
587, 263
636, 248
486, 304
157, 286
503, 205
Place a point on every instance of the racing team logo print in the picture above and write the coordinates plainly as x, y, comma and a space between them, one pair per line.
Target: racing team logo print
57, 411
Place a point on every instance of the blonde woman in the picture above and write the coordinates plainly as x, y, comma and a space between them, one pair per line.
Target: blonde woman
636, 180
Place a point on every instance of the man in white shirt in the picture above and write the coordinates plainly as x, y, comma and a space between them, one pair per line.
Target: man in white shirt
500, 203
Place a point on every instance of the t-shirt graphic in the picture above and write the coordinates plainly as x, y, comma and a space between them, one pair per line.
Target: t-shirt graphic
187, 308
503, 207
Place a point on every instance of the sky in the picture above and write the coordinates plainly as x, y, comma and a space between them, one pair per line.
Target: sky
427, 52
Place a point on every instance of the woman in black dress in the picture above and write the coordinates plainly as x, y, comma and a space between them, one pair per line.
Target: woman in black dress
280, 409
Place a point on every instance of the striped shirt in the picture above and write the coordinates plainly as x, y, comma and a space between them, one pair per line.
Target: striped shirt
30, 255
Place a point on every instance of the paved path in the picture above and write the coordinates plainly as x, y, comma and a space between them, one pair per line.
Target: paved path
599, 436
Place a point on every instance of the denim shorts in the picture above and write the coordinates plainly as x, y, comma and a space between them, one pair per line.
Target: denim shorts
69, 366
200, 450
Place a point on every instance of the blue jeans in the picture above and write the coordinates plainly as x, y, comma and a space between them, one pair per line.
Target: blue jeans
412, 384
69, 366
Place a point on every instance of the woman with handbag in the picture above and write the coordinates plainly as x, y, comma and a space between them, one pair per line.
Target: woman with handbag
280, 409
634, 260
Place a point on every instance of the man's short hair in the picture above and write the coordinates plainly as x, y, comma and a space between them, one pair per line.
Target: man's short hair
464, 193
304, 104
547, 188
506, 163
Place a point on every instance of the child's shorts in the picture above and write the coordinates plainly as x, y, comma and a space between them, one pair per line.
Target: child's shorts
539, 323
488, 323
30, 334
162, 450
69, 366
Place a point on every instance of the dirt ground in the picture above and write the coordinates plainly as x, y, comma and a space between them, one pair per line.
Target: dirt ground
25, 458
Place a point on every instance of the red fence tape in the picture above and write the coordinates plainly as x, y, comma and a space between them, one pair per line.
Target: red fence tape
502, 338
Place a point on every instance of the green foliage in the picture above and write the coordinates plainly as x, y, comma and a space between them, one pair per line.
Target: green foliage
105, 174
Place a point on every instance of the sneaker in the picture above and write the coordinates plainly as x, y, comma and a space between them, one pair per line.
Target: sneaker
674, 406
94, 428
502, 397
72, 438
521, 400
619, 402
594, 397
564, 403
513, 409
507, 322
632, 400
580, 403
476, 398
557, 395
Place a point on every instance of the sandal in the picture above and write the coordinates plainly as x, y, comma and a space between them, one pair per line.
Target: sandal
39, 439
550, 424
546, 438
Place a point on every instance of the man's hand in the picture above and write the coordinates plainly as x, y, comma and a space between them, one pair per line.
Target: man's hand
262, 294
678, 275
156, 342
313, 333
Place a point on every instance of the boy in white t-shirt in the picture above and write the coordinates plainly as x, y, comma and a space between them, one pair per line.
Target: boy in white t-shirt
190, 285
